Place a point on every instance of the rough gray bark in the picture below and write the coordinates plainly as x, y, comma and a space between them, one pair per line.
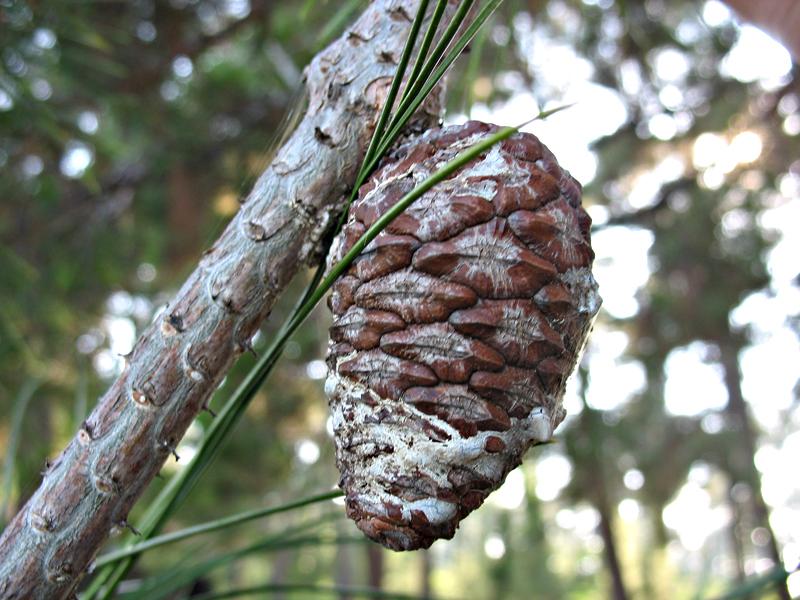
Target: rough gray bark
181, 358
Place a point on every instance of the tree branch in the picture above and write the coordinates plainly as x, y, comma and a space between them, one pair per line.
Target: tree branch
181, 358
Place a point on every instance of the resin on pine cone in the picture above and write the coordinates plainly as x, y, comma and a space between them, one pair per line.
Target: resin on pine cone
455, 330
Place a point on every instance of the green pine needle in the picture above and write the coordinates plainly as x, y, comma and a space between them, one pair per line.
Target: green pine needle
315, 590
411, 103
223, 523
380, 127
430, 34
164, 586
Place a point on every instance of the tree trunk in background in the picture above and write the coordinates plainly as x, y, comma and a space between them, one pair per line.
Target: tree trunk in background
596, 492
610, 551
740, 421
781, 18
183, 214
734, 533
280, 565
181, 358
426, 567
344, 565
375, 567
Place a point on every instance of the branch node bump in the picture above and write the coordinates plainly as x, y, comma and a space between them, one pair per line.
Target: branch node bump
42, 522
86, 433
61, 573
140, 398
255, 231
172, 324
193, 370
104, 485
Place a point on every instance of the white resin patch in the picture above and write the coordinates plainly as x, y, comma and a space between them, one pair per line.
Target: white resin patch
413, 450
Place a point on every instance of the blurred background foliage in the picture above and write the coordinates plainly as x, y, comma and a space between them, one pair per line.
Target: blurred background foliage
128, 133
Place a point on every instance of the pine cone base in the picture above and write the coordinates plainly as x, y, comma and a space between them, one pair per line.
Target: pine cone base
455, 331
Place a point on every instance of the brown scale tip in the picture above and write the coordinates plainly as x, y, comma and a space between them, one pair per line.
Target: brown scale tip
391, 532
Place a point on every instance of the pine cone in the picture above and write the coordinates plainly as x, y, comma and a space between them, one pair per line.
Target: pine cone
455, 330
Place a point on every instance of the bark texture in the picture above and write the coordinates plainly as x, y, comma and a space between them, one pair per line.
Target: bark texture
455, 331
181, 358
